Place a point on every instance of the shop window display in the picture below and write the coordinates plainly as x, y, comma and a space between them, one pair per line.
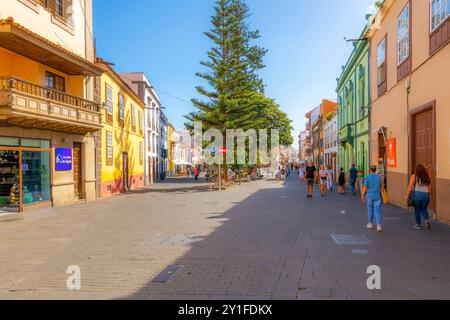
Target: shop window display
35, 177
24, 173
9, 180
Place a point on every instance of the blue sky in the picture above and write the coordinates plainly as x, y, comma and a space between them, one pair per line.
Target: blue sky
164, 39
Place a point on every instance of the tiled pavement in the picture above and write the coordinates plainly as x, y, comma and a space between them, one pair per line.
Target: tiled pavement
262, 240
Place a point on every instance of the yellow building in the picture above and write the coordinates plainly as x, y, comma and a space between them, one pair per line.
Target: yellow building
171, 159
121, 167
49, 112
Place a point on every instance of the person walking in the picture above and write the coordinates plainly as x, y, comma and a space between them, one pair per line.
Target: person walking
277, 174
330, 178
371, 196
341, 182
323, 177
419, 191
352, 178
196, 173
302, 172
310, 175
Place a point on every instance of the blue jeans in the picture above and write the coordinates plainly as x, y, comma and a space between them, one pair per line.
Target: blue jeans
422, 200
374, 206
353, 185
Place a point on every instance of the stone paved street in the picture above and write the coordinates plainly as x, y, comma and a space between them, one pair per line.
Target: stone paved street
261, 240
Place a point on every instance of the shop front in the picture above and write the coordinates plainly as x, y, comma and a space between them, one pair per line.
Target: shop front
25, 173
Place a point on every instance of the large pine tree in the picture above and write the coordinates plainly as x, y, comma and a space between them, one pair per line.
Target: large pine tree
234, 98
232, 66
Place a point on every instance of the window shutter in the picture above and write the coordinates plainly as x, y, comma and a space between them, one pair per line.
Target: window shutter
97, 89
51, 4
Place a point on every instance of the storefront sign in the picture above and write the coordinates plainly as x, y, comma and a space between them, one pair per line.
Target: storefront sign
63, 159
392, 153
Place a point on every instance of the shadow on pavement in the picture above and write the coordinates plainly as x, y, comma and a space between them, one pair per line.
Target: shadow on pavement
276, 244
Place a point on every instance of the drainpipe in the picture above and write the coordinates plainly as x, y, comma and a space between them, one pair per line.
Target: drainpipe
408, 91
96, 167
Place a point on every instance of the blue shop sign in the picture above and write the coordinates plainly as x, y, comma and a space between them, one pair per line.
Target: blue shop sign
63, 159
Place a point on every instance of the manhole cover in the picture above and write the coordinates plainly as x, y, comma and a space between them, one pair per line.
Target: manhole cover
167, 274
350, 239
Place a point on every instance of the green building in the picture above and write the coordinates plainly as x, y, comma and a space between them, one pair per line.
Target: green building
353, 93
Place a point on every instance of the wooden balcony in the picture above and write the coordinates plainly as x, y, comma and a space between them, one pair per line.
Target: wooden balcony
30, 105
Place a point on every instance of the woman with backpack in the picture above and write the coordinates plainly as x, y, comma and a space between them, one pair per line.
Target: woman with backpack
419, 196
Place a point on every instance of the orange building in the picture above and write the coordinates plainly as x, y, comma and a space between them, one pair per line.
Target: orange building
410, 96
49, 110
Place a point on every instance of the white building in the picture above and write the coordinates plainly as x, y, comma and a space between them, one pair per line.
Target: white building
331, 144
183, 156
302, 145
139, 83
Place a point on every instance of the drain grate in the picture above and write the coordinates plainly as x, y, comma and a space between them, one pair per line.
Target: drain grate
360, 251
350, 239
167, 274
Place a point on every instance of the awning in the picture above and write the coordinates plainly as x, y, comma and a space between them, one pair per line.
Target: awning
18, 39
183, 163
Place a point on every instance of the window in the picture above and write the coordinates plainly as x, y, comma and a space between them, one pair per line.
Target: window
403, 35
109, 148
382, 52
149, 139
133, 117
439, 24
362, 91
141, 122
141, 153
109, 103
59, 7
382, 67
440, 10
54, 81
121, 109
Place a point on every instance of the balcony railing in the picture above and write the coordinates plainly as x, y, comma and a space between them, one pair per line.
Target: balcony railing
10, 83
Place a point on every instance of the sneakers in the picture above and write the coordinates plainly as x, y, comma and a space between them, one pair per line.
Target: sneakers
418, 227
371, 226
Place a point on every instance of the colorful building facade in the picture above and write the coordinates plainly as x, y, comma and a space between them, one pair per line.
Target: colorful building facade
330, 143
123, 138
49, 110
318, 118
410, 96
353, 93
142, 87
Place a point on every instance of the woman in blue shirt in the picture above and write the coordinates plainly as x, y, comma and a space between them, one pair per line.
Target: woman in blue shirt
371, 195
